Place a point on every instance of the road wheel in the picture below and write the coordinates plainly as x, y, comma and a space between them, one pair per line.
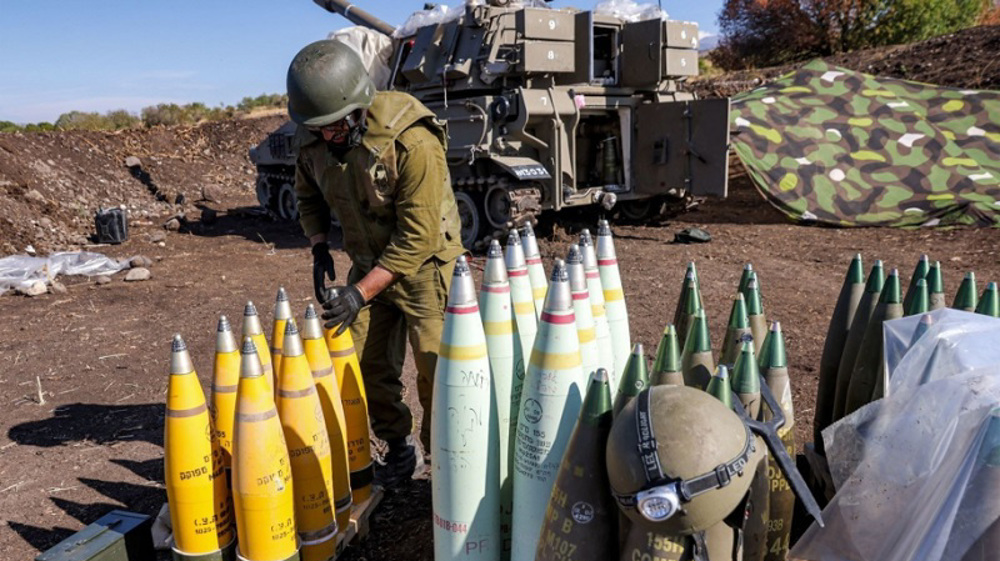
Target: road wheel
287, 207
468, 213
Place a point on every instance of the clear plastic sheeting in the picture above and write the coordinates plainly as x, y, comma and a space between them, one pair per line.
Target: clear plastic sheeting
22, 271
374, 48
630, 10
438, 14
918, 473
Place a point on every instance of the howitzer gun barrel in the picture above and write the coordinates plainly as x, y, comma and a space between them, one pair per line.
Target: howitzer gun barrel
356, 15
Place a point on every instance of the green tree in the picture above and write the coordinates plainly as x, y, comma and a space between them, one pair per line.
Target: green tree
8, 126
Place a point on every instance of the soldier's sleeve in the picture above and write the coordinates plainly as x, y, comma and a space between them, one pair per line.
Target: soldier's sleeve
423, 173
314, 213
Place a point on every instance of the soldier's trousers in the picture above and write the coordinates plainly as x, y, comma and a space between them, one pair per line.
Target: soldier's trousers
411, 309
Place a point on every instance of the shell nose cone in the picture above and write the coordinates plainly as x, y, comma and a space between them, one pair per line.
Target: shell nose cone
180, 359
585, 238
311, 328
574, 266
282, 309
249, 363
605, 242
292, 345
495, 271
463, 291
558, 297
515, 253
574, 256
224, 340
249, 309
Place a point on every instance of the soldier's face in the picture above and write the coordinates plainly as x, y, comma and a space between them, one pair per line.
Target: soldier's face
337, 133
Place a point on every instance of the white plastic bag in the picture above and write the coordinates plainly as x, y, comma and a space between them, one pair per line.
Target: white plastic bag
374, 48
630, 10
918, 473
22, 271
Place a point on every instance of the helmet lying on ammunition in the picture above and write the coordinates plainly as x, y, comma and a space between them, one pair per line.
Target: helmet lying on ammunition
326, 82
678, 458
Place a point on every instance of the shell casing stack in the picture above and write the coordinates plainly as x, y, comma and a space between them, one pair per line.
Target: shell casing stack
551, 396
464, 434
536, 271
318, 356
614, 295
262, 476
304, 427
355, 403
194, 470
507, 366
866, 382
862, 315
605, 346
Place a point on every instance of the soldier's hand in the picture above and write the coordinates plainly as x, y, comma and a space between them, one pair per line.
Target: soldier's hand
322, 265
343, 308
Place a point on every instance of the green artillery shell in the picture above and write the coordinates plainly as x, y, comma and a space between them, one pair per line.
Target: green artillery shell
926, 321
920, 302
869, 300
585, 329
644, 542
634, 380
536, 271
605, 347
935, 286
919, 272
737, 331
524, 309
507, 365
746, 380
667, 366
581, 517
465, 488
745, 277
720, 387
782, 499
833, 349
869, 366
550, 404
614, 296
691, 300
755, 312
967, 296
755, 529
989, 302
697, 363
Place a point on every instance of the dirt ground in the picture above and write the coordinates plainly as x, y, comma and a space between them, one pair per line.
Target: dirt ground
100, 352
83, 374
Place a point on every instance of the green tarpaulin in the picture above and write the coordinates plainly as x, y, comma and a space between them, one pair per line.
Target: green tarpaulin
829, 145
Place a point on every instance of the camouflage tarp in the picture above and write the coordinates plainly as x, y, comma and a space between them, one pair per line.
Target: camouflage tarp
830, 145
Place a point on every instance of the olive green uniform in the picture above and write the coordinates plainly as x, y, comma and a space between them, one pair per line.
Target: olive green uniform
393, 198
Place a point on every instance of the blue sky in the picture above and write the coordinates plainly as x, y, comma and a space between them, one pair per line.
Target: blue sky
98, 55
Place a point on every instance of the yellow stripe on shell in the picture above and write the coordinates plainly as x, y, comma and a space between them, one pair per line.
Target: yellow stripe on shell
524, 308
498, 327
597, 311
461, 352
555, 361
539, 292
587, 335
614, 294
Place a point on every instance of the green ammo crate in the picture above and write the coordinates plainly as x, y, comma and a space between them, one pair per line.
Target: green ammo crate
117, 536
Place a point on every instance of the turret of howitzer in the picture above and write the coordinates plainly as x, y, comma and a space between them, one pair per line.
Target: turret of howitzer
356, 15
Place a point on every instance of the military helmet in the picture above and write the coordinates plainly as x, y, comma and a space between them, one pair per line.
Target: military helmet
679, 459
327, 81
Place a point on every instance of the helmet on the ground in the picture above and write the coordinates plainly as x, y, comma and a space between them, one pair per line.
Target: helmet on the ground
326, 82
679, 459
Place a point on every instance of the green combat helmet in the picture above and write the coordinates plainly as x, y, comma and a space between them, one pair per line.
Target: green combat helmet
326, 82
679, 459
654, 474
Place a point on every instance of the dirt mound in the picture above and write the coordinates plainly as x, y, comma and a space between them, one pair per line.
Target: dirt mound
51, 183
965, 59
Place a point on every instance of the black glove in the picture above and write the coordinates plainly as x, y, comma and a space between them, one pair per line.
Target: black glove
322, 263
343, 308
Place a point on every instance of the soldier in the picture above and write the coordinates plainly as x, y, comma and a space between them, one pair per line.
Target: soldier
377, 161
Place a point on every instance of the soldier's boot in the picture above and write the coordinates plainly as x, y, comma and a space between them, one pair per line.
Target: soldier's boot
401, 462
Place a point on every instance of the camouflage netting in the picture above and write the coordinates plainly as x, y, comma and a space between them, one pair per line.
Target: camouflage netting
829, 145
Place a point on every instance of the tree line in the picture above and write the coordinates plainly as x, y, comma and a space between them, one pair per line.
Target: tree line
761, 33
156, 115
